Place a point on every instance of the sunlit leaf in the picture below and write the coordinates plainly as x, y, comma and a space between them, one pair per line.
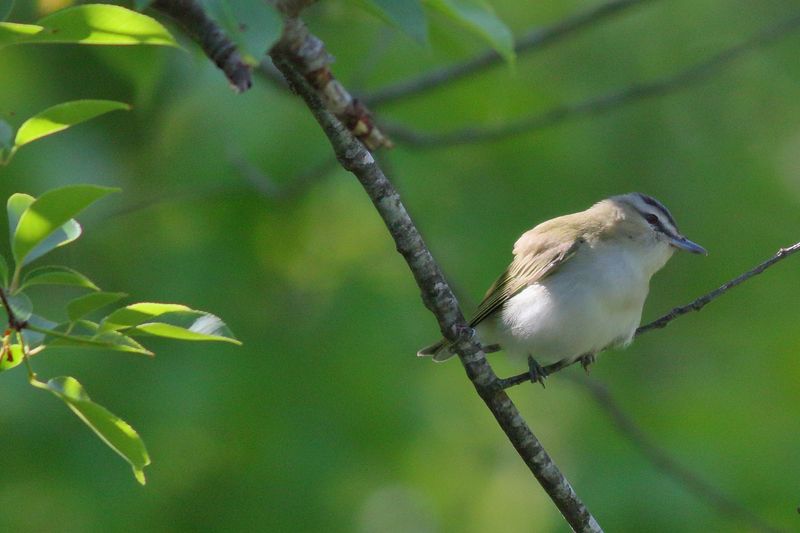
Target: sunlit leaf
189, 326
111, 429
135, 314
68, 232
10, 357
62, 116
5, 8
407, 16
48, 213
57, 275
86, 334
478, 17
12, 33
84, 305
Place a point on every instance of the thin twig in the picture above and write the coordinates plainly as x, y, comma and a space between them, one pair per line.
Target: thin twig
437, 295
701, 302
294, 187
535, 39
661, 322
211, 38
598, 104
664, 462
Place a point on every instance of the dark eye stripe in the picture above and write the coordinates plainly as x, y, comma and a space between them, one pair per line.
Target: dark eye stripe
652, 202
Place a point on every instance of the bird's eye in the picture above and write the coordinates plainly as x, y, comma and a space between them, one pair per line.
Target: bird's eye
650, 218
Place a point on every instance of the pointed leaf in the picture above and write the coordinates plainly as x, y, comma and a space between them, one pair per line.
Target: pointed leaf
71, 230
135, 314
11, 357
36, 324
478, 17
62, 116
189, 326
57, 275
50, 211
12, 33
87, 334
111, 429
84, 305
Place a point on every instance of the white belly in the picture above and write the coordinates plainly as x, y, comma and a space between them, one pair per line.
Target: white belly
570, 314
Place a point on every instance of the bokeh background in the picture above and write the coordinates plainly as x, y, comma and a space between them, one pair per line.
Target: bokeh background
325, 420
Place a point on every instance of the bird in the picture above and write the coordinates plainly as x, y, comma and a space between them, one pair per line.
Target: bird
577, 284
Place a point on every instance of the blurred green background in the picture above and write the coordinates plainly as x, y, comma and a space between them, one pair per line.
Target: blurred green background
325, 420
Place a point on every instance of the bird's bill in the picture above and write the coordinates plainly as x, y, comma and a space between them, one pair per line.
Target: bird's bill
685, 244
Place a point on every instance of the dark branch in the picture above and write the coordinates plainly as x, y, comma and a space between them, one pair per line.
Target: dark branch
536, 39
13, 322
211, 38
695, 305
701, 302
602, 103
664, 462
437, 296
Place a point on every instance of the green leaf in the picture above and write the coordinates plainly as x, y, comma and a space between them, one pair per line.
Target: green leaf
12, 33
111, 429
86, 334
135, 314
5, 8
71, 230
62, 116
253, 26
21, 305
173, 321
84, 305
189, 326
407, 16
141, 4
57, 275
3, 271
478, 17
51, 211
11, 357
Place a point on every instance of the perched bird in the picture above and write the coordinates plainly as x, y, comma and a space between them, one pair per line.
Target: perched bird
577, 284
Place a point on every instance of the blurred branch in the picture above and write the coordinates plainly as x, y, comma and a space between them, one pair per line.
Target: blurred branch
696, 305
293, 187
533, 40
436, 293
602, 103
211, 38
664, 462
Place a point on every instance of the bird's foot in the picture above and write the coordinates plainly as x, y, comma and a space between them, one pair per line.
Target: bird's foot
536, 371
491, 348
586, 361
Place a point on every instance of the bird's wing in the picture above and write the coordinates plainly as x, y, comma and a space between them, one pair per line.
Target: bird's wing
534, 260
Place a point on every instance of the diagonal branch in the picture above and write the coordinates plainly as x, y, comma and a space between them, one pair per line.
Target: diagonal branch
437, 295
602, 103
661, 322
211, 38
662, 460
533, 40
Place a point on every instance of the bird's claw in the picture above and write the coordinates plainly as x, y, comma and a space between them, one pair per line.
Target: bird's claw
586, 361
536, 371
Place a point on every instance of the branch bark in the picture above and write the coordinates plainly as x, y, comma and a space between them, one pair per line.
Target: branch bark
598, 104
211, 38
436, 293
535, 39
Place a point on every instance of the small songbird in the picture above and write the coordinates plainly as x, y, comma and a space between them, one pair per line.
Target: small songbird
577, 284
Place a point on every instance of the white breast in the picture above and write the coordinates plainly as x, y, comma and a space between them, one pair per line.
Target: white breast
592, 302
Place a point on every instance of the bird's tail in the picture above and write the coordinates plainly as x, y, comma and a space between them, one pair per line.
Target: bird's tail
440, 351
